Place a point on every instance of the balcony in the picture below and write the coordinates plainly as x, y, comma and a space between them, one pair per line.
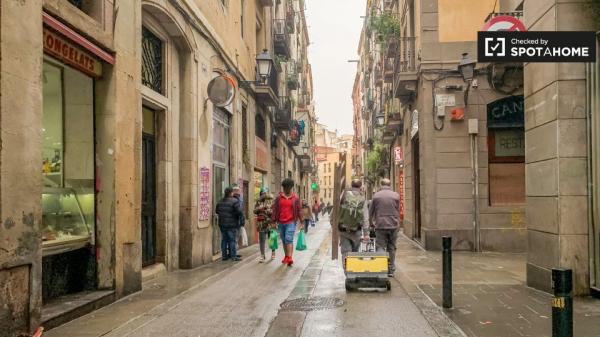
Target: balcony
281, 37
303, 101
266, 92
406, 68
282, 120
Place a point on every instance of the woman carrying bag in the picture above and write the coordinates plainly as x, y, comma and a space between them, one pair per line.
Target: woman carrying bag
264, 224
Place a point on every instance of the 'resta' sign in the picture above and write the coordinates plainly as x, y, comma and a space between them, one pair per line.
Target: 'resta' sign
71, 54
515, 46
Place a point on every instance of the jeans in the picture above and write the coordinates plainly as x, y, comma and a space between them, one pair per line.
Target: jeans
306, 225
287, 232
229, 242
263, 238
317, 216
386, 242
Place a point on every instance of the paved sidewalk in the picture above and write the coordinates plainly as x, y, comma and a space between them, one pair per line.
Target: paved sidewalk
490, 296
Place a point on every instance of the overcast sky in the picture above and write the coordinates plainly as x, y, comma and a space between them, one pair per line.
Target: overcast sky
334, 29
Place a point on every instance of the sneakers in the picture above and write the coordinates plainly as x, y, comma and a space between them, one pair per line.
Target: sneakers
261, 259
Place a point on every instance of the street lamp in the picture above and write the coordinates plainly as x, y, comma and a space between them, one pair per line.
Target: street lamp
264, 64
380, 119
466, 67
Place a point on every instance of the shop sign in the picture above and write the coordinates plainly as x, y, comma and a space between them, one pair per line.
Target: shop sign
401, 192
506, 112
398, 155
71, 54
262, 159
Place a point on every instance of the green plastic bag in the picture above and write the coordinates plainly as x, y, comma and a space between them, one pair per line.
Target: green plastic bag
301, 244
273, 239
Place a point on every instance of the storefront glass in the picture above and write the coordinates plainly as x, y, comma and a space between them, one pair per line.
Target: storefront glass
67, 159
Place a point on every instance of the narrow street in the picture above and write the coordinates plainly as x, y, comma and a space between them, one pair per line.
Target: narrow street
246, 300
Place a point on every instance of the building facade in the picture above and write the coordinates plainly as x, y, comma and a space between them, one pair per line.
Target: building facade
482, 155
111, 170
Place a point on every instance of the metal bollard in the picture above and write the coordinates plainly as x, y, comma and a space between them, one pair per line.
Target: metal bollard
447, 271
562, 303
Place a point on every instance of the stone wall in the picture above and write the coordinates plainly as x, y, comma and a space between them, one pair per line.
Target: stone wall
556, 153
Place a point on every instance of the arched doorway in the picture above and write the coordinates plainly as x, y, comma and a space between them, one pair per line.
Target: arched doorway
168, 152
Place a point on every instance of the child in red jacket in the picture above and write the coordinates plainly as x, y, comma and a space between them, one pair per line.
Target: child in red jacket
287, 213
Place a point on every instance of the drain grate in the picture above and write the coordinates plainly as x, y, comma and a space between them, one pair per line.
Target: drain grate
311, 304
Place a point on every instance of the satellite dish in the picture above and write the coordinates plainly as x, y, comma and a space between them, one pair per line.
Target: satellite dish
221, 90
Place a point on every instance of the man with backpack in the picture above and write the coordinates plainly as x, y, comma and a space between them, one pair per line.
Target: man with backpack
384, 215
351, 218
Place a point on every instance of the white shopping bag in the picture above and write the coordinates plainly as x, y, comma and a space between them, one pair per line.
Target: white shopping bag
244, 236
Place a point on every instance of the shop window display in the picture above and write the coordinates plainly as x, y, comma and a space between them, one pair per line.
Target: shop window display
67, 163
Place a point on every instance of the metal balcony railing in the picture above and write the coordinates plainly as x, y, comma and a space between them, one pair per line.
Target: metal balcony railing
283, 114
281, 37
516, 14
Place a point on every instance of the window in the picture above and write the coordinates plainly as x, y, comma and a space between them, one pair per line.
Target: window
152, 61
259, 125
67, 162
506, 151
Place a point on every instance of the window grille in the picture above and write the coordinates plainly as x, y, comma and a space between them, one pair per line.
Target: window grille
152, 61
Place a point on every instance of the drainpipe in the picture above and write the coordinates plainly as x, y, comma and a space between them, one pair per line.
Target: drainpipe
590, 103
473, 130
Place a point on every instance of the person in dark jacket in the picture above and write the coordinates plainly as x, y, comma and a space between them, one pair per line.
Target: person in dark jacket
229, 212
384, 215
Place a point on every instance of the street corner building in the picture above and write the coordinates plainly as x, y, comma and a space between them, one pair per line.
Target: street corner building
113, 154
500, 156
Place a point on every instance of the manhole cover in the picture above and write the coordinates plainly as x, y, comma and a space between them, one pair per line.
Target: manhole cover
311, 303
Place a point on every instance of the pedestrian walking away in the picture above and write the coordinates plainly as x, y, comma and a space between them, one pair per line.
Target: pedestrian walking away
264, 223
287, 213
307, 215
351, 219
229, 212
384, 215
316, 208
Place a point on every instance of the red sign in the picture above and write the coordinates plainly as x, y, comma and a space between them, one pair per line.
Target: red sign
504, 23
401, 192
69, 53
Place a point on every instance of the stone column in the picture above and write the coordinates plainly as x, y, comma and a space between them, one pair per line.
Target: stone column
20, 165
556, 154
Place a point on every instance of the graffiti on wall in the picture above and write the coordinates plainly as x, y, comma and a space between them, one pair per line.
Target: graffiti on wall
203, 196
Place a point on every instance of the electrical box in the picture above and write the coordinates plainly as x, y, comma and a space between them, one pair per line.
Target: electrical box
473, 126
440, 111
